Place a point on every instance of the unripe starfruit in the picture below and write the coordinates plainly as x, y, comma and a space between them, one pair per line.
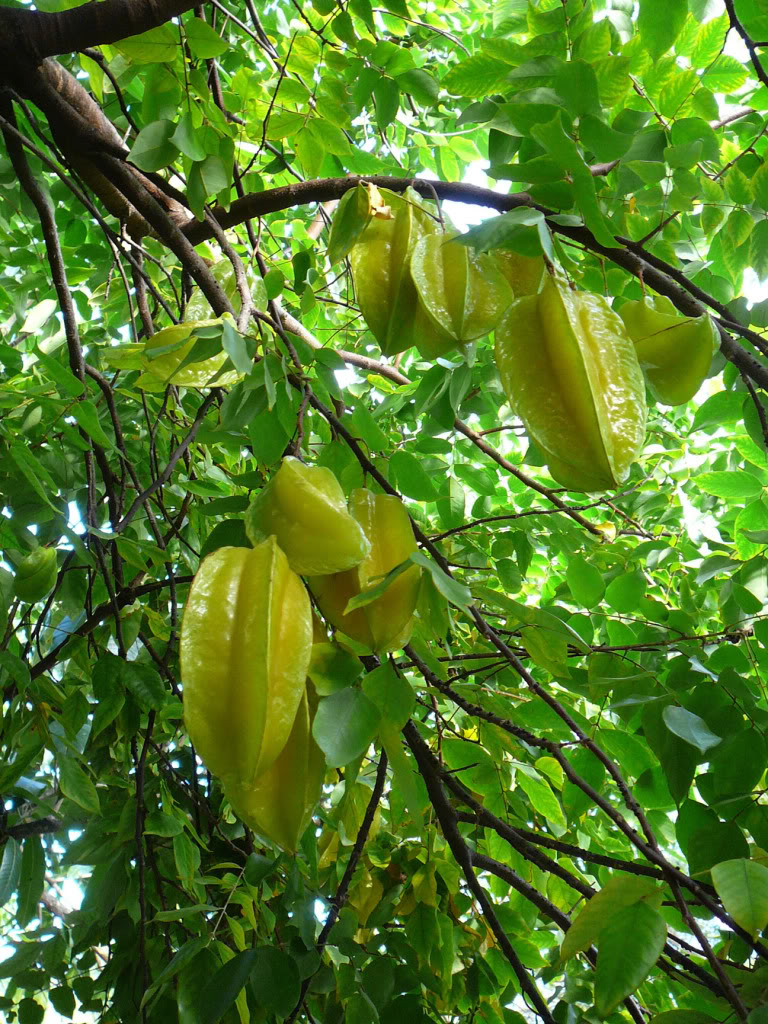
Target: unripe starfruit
384, 288
36, 575
280, 802
246, 641
571, 374
306, 510
463, 292
675, 352
385, 623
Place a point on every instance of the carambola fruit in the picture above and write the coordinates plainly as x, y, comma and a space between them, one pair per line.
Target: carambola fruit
246, 640
674, 351
571, 374
36, 575
524, 274
305, 508
280, 802
384, 289
463, 292
385, 623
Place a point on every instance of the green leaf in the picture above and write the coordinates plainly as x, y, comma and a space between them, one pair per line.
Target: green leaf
224, 987
542, 799
585, 582
412, 479
156, 46
10, 869
333, 668
202, 40
731, 485
344, 726
690, 727
153, 149
180, 959
187, 139
659, 23
391, 693
451, 590
618, 893
476, 76
626, 951
742, 885
87, 415
625, 593
275, 981
234, 345
76, 785
32, 880
39, 315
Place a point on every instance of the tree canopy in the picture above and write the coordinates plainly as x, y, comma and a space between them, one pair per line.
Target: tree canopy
550, 804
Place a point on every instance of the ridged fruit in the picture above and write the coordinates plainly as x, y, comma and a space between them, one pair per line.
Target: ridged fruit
524, 274
384, 288
571, 374
463, 291
246, 641
280, 802
305, 508
675, 352
385, 623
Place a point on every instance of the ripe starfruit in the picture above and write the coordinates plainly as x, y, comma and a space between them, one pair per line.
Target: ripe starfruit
384, 288
675, 351
385, 623
463, 292
524, 274
246, 643
36, 575
280, 802
305, 508
571, 374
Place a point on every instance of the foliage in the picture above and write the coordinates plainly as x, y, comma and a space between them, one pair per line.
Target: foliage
550, 805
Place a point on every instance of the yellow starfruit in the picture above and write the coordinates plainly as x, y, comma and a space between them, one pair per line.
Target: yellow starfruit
380, 262
246, 641
463, 292
280, 802
524, 274
675, 352
571, 374
305, 508
385, 623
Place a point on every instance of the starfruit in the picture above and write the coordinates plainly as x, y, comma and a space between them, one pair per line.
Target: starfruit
385, 623
36, 575
280, 802
571, 374
675, 351
463, 292
352, 214
305, 508
524, 274
246, 640
384, 288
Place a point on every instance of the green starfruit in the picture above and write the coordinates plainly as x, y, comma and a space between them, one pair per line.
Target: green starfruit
463, 292
675, 352
306, 509
36, 575
246, 640
571, 373
384, 623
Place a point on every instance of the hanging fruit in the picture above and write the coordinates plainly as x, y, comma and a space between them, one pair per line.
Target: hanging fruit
246, 640
463, 292
305, 508
36, 575
524, 274
675, 352
385, 623
380, 262
280, 802
571, 374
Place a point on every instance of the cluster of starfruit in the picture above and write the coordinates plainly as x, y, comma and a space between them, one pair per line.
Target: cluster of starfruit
573, 372
248, 632
415, 284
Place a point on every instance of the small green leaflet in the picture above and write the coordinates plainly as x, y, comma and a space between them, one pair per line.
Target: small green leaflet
451, 590
619, 892
689, 727
626, 951
373, 593
742, 885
